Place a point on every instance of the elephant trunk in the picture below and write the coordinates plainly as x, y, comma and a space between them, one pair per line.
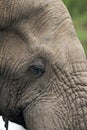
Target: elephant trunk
41, 117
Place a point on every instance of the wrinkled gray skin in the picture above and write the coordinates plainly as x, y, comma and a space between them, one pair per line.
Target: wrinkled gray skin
43, 68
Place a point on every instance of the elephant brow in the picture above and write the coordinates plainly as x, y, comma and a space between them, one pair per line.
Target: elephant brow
11, 14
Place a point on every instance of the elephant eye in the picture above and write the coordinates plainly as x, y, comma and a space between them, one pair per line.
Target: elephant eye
37, 69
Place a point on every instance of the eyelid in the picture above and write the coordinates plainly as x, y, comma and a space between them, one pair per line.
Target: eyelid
39, 63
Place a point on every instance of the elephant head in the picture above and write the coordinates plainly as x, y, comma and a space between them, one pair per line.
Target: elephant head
43, 68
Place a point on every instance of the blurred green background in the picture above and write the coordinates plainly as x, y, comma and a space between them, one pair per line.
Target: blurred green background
78, 11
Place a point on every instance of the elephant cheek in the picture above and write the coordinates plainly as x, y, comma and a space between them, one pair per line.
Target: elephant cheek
40, 117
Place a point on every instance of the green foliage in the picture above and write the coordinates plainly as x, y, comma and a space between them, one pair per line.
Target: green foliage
76, 7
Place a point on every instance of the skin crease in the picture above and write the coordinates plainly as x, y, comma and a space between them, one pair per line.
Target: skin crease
41, 33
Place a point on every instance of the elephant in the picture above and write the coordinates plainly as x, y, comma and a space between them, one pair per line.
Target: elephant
43, 67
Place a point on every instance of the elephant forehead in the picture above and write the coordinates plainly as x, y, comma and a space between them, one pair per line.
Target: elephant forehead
35, 18
38, 12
